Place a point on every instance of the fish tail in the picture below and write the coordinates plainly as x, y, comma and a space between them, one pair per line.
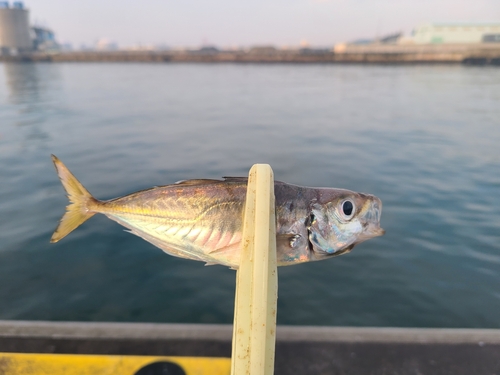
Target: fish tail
77, 212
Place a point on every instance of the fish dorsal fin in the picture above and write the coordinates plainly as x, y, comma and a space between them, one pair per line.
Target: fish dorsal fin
200, 181
235, 179
244, 180
208, 181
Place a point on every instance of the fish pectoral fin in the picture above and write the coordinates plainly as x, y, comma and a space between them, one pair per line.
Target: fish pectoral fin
288, 240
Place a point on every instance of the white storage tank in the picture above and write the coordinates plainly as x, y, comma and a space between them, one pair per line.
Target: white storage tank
14, 28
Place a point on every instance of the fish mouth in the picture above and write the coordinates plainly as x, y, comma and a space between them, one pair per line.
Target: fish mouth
371, 230
375, 231
371, 218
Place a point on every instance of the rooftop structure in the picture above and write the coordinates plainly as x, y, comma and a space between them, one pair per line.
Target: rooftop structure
435, 33
44, 39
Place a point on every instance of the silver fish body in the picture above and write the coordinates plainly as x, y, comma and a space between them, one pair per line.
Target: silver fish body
203, 219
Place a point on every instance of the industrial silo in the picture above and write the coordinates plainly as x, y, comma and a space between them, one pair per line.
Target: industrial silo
14, 28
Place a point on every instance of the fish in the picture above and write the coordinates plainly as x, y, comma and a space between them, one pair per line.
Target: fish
202, 219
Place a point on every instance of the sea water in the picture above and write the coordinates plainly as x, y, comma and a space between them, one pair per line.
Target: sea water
425, 139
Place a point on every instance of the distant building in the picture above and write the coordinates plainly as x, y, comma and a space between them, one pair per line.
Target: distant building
263, 50
208, 50
16, 35
44, 39
14, 28
432, 33
391, 38
386, 39
104, 44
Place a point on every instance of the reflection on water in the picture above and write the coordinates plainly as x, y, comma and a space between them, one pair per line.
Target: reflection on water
23, 82
31, 89
422, 138
30, 83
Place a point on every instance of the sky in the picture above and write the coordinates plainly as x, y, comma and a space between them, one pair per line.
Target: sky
236, 23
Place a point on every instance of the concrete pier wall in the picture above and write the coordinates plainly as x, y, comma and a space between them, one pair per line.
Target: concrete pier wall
299, 350
481, 53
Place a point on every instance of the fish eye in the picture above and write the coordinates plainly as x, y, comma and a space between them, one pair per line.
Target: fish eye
347, 209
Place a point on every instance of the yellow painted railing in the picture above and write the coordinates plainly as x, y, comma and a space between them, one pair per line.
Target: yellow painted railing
72, 364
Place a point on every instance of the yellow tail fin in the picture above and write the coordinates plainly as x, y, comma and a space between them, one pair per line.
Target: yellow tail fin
77, 211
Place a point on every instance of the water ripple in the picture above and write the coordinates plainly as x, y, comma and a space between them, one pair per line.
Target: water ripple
423, 138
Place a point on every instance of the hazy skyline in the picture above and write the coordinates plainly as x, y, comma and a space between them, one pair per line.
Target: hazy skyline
228, 23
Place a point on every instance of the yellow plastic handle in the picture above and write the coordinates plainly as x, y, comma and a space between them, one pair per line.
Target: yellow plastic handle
254, 330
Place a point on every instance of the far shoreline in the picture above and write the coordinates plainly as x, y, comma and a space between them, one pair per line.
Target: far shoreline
472, 54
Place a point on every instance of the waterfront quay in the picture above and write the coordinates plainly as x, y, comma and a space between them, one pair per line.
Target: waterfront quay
299, 349
477, 54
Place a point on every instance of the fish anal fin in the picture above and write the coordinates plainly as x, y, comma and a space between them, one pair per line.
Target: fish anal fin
173, 249
225, 249
228, 255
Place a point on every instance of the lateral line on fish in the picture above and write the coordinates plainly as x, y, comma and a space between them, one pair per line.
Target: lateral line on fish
102, 207
214, 206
